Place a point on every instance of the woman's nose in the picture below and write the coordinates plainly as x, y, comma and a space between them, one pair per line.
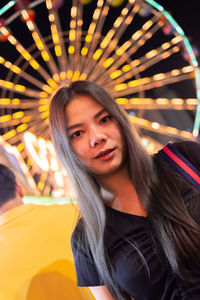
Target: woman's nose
96, 137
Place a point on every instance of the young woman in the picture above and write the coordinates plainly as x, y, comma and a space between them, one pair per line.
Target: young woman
138, 234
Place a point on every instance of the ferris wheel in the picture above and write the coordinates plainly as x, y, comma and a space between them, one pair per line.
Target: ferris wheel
134, 49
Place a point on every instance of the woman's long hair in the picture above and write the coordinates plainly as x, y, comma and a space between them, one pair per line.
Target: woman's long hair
180, 242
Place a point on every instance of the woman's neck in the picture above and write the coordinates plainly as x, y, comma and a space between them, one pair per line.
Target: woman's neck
125, 197
117, 182
10, 204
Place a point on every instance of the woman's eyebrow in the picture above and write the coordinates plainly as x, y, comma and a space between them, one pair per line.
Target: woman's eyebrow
100, 112
81, 124
74, 126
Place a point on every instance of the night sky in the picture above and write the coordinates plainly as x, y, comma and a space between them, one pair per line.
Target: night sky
187, 15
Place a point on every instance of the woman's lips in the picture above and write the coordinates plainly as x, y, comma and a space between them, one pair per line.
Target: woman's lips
105, 154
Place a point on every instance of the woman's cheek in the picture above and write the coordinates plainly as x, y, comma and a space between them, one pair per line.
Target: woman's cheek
81, 150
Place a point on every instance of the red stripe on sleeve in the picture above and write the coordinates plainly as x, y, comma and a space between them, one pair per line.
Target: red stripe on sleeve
181, 164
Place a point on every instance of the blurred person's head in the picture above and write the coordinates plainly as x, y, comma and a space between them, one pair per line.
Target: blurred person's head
11, 192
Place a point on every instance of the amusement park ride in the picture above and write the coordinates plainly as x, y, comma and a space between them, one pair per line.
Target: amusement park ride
134, 49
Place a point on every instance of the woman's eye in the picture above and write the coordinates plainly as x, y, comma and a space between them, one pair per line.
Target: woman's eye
75, 134
106, 119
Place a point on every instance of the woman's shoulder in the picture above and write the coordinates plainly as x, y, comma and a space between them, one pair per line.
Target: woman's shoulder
190, 150
170, 161
187, 147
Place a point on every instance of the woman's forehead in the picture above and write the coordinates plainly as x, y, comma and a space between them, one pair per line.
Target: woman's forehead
82, 107
82, 102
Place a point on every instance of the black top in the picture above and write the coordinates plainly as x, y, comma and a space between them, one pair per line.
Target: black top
131, 239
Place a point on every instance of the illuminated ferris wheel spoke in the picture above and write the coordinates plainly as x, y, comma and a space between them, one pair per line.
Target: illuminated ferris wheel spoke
57, 38
124, 52
18, 103
38, 129
37, 113
75, 35
14, 136
156, 55
21, 89
15, 119
34, 125
45, 133
59, 45
157, 127
41, 45
157, 80
119, 30
111, 40
93, 35
8, 123
33, 63
29, 78
20, 118
95, 27
72, 37
76, 25
159, 103
138, 41
150, 58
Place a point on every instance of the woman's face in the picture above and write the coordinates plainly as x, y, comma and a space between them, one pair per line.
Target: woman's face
95, 136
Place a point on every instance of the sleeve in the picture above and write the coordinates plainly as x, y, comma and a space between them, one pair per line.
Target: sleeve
190, 291
86, 271
191, 150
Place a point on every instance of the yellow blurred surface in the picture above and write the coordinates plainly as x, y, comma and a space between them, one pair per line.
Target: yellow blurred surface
36, 261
